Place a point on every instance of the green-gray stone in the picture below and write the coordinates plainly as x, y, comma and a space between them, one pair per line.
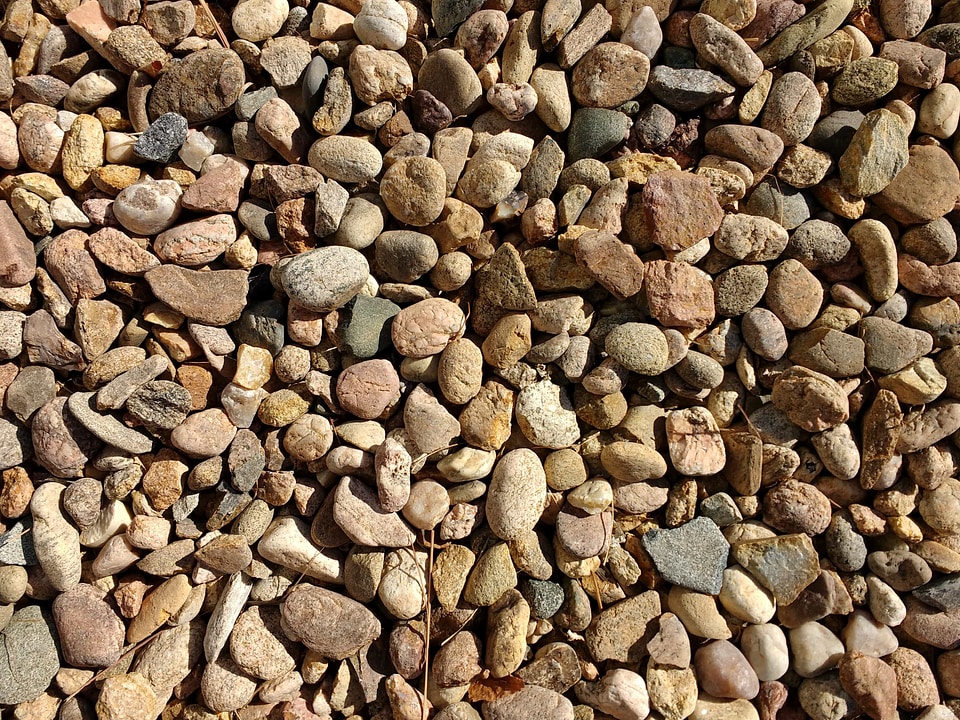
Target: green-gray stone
865, 80
448, 14
595, 132
366, 329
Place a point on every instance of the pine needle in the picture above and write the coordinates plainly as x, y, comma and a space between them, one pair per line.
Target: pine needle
428, 619
216, 25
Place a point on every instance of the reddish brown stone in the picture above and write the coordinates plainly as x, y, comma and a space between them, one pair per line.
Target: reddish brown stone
614, 264
18, 263
15, 493
67, 260
681, 209
926, 189
679, 295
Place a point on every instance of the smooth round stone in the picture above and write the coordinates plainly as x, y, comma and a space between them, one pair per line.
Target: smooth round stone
259, 20
201, 87
427, 504
325, 278
792, 108
13, 583
744, 598
148, 207
382, 23
594, 132
815, 649
517, 494
639, 347
765, 647
413, 189
448, 77
723, 671
345, 159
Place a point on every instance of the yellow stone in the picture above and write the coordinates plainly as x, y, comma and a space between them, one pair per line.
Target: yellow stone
82, 152
837, 200
755, 98
111, 179
39, 184
254, 366
180, 174
112, 119
163, 315
638, 167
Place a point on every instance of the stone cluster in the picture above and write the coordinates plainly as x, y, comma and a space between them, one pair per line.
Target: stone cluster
393, 360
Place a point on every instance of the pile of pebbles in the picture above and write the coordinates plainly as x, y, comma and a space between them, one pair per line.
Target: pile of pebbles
492, 358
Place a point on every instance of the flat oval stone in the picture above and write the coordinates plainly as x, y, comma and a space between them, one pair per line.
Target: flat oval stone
106, 427
309, 612
517, 494
325, 278
215, 298
201, 87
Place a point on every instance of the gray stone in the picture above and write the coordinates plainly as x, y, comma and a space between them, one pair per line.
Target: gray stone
16, 544
595, 132
326, 278
161, 141
365, 327
693, 555
942, 593
106, 427
28, 656
687, 90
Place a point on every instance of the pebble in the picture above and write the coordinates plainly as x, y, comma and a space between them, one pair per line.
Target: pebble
725, 672
308, 610
382, 24
719, 45
26, 673
517, 494
324, 278
91, 634
201, 88
864, 169
691, 556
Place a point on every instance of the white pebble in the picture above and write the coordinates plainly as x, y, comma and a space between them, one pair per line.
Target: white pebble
195, 149
382, 23
765, 647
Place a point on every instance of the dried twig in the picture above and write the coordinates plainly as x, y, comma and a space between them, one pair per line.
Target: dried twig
428, 619
220, 34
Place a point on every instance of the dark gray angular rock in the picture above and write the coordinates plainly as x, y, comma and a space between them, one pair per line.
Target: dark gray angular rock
248, 103
691, 556
246, 460
262, 325
942, 593
161, 141
160, 404
448, 14
545, 597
